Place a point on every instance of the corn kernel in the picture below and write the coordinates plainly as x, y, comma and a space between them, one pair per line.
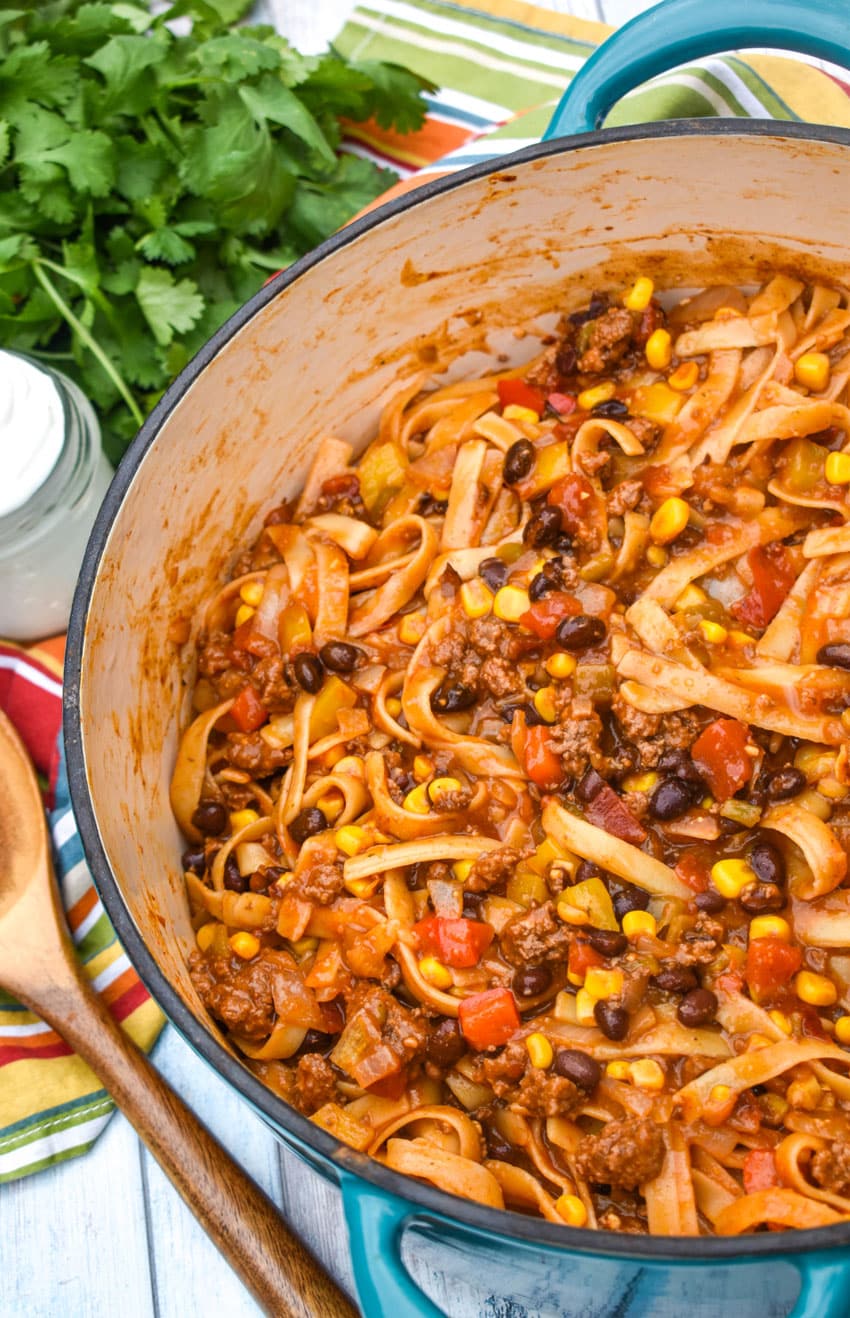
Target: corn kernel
243, 613
832, 789
423, 767
713, 632
775, 1106
331, 805
206, 934
739, 638
245, 945
812, 371
659, 350
781, 1021
842, 1027
640, 782
598, 393
646, 1073
476, 600
601, 983
510, 603
639, 295
462, 870
411, 628
251, 593
690, 598
515, 412
393, 706
351, 839
639, 924
544, 703
720, 1094
758, 1041
540, 1051
435, 972
684, 377
770, 926
585, 1002
441, 787
241, 819
805, 1093
417, 801
730, 877
816, 990
669, 520
837, 468
350, 764
572, 1210
618, 1070
560, 665
362, 888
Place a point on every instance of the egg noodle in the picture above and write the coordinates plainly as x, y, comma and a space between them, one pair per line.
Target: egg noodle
517, 788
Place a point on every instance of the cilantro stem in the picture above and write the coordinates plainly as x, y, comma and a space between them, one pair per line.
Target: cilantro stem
90, 342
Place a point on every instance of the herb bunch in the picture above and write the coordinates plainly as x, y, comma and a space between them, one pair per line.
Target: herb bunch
153, 175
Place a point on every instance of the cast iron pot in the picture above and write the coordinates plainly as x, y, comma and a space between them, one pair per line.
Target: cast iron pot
320, 348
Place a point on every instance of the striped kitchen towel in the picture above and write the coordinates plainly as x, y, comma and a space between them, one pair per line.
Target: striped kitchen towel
51, 1105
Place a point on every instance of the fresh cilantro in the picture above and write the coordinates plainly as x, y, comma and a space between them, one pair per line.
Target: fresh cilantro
154, 174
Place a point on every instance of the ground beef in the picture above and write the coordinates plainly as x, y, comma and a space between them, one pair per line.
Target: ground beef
610, 337
535, 938
624, 497
500, 678
449, 802
624, 1153
269, 680
402, 1028
644, 430
505, 1069
341, 494
315, 1083
700, 945
544, 1094
831, 1168
492, 869
653, 734
492, 638
320, 884
577, 738
635, 724
241, 994
214, 654
249, 751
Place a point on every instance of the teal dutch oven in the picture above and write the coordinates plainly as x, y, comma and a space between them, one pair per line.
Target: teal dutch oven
446, 271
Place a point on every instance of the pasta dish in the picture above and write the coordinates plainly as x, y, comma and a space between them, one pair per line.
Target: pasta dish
517, 787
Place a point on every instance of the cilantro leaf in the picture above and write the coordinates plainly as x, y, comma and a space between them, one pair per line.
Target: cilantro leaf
166, 245
319, 209
236, 56
124, 64
5, 141
394, 94
269, 99
169, 306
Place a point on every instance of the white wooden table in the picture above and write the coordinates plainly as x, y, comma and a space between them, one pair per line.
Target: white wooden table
105, 1234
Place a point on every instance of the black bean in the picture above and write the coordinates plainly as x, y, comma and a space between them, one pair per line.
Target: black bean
613, 407
589, 786
540, 584
309, 672
530, 981
579, 1067
339, 656
607, 942
612, 1021
564, 543
631, 898
473, 903
451, 697
565, 359
233, 880
194, 860
494, 572
314, 1041
499, 1147
210, 818
674, 979
697, 1007
543, 528
785, 783
671, 799
678, 764
307, 824
532, 718
445, 1043
580, 632
768, 863
430, 507
836, 655
709, 901
757, 898
518, 462
598, 304
587, 870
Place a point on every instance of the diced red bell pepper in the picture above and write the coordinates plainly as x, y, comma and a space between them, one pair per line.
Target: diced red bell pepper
542, 765
582, 957
773, 577
577, 501
247, 638
693, 870
770, 966
488, 1019
719, 753
392, 1086
520, 394
563, 404
457, 943
606, 810
545, 615
248, 711
760, 1171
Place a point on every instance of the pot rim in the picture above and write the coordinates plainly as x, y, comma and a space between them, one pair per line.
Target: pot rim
426, 1202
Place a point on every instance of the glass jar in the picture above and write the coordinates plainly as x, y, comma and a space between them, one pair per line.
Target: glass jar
43, 537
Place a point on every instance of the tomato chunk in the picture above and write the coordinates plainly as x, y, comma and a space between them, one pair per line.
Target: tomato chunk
693, 870
719, 753
581, 958
545, 616
542, 765
520, 394
773, 577
577, 500
760, 1171
488, 1019
456, 942
770, 966
248, 711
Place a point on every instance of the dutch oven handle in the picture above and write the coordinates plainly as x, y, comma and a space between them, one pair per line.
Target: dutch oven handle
376, 1223
681, 30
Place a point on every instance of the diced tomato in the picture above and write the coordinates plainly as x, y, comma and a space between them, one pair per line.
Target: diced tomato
392, 1086
545, 616
760, 1171
719, 753
248, 711
770, 966
488, 1019
577, 500
606, 810
581, 958
520, 394
456, 942
773, 577
542, 765
563, 404
693, 870
247, 638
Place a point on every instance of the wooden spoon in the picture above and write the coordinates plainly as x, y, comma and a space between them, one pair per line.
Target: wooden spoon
38, 965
